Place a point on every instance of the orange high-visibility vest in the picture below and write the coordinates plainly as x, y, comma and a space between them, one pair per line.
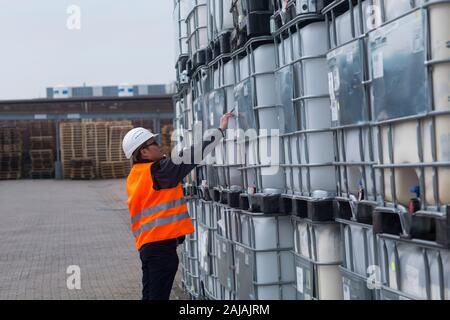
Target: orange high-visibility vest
156, 215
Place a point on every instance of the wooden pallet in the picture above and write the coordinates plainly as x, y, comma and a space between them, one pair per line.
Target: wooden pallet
166, 139
71, 144
100, 141
42, 143
42, 128
11, 161
116, 135
42, 174
115, 169
42, 164
82, 162
11, 140
10, 175
42, 155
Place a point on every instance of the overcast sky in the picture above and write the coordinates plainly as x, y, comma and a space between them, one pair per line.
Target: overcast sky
119, 41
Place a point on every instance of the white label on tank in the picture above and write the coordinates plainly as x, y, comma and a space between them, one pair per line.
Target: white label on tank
378, 64
346, 292
211, 118
299, 279
245, 90
247, 259
334, 110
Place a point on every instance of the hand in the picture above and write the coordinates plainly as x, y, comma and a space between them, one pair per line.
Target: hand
224, 120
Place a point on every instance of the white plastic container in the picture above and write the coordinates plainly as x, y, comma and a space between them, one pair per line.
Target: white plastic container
197, 21
313, 81
344, 23
320, 244
264, 62
396, 8
180, 13
260, 233
412, 266
223, 18
359, 242
352, 152
405, 135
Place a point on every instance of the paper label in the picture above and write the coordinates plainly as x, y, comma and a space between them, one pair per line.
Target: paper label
378, 64
300, 280
334, 110
211, 118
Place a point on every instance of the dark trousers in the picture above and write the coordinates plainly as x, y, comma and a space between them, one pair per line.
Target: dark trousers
159, 266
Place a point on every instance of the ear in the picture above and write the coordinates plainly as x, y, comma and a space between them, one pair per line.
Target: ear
143, 152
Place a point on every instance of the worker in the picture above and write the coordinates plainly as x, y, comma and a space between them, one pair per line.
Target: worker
159, 214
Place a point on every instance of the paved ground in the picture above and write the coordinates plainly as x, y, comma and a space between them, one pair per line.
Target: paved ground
47, 226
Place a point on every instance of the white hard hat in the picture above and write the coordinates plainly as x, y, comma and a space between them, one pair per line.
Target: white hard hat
134, 139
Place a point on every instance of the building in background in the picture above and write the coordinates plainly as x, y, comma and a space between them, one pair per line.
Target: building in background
121, 90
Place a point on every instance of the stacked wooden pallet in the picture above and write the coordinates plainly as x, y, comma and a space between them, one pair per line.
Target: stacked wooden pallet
71, 140
95, 143
42, 128
42, 142
82, 169
42, 151
10, 165
166, 139
117, 165
98, 142
116, 135
42, 163
115, 169
10, 140
10, 153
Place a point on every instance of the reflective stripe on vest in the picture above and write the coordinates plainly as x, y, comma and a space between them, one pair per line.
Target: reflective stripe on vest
164, 206
161, 222
156, 215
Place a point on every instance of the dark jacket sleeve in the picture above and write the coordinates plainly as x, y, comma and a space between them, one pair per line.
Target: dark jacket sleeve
166, 174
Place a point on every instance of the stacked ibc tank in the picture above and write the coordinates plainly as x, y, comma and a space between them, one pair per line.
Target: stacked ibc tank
409, 72
354, 142
330, 182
